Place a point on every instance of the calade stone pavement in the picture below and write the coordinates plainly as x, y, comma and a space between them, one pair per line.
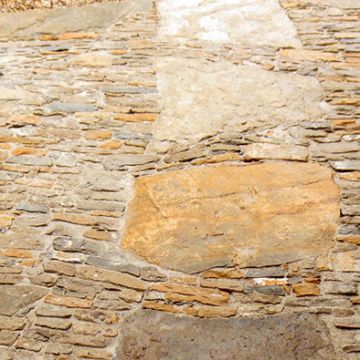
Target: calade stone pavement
180, 180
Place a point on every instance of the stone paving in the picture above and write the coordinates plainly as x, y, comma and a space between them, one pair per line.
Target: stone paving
170, 165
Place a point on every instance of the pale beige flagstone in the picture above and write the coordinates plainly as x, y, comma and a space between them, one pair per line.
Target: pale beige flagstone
200, 98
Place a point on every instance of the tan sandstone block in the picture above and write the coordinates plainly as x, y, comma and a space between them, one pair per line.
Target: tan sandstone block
98, 235
299, 55
154, 305
306, 289
6, 220
93, 59
112, 145
116, 278
256, 215
29, 151
216, 311
17, 253
351, 239
275, 151
223, 273
178, 292
68, 301
137, 117
345, 261
69, 36
98, 135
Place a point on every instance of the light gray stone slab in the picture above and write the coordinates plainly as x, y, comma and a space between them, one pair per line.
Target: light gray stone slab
244, 22
200, 98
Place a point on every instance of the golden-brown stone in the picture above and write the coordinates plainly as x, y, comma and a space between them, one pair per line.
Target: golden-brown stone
257, 215
306, 289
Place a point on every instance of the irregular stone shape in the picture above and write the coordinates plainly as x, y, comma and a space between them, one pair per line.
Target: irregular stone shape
244, 22
32, 207
150, 335
256, 215
15, 298
346, 165
32, 23
58, 107
275, 151
239, 95
117, 162
344, 4
30, 160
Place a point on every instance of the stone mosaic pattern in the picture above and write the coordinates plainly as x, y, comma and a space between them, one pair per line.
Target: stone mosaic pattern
21, 5
87, 113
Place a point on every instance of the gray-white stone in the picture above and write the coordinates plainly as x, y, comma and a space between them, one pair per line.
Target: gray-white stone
59, 107
32, 207
346, 165
242, 22
200, 98
117, 162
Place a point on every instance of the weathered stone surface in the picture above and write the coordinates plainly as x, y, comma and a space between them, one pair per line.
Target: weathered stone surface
348, 323
191, 220
30, 160
271, 151
81, 92
58, 107
236, 101
68, 301
7, 323
15, 298
178, 292
346, 165
8, 338
32, 207
96, 274
33, 23
239, 21
53, 323
150, 335
117, 162
306, 289
28, 344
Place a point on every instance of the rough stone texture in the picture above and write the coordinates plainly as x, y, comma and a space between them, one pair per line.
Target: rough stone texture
81, 109
18, 5
192, 91
191, 220
38, 22
238, 21
15, 298
146, 336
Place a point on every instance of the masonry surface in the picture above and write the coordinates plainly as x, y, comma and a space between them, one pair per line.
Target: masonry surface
180, 180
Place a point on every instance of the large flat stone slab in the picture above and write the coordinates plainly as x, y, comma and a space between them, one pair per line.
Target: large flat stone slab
257, 215
200, 98
149, 335
244, 22
32, 23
